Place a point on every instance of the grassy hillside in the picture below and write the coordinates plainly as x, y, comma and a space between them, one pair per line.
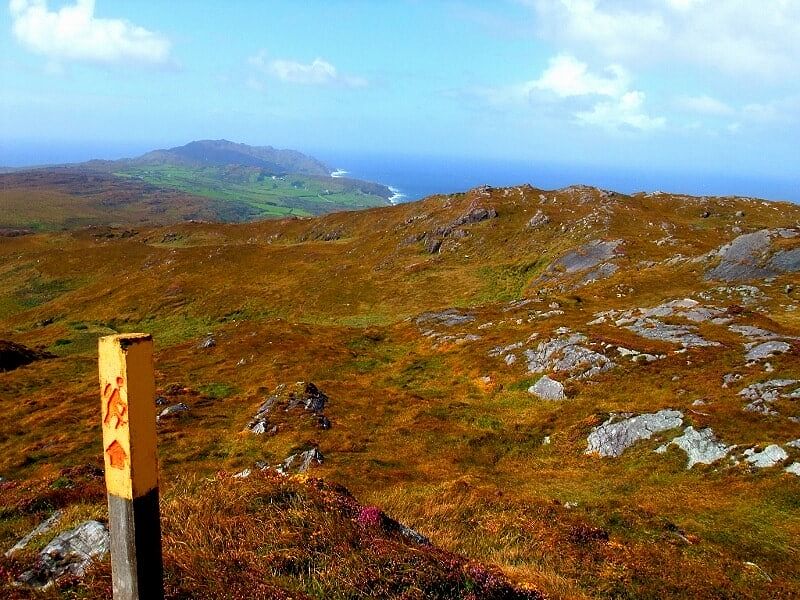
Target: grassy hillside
406, 317
264, 194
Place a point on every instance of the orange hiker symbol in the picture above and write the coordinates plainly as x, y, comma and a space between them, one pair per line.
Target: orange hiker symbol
116, 407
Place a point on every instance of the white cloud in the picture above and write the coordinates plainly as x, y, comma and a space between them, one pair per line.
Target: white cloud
705, 105
73, 33
625, 112
602, 99
318, 72
760, 38
567, 77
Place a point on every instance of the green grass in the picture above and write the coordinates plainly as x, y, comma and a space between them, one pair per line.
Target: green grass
262, 194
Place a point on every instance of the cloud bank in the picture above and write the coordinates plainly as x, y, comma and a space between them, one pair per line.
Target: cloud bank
73, 33
319, 72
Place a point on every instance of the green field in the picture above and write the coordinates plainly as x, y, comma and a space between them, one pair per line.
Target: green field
267, 195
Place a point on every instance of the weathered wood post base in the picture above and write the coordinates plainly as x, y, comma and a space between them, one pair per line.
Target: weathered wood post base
127, 391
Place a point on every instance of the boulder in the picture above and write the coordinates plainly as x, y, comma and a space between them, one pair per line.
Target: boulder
548, 389
70, 553
613, 437
768, 457
766, 349
701, 447
793, 468
172, 411
538, 220
301, 462
208, 342
568, 354
286, 401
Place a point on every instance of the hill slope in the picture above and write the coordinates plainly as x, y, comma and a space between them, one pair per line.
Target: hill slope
596, 392
203, 180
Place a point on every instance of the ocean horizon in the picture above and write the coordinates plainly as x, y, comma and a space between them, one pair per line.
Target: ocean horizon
415, 177
412, 178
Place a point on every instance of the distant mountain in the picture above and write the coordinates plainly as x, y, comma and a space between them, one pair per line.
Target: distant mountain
222, 153
214, 180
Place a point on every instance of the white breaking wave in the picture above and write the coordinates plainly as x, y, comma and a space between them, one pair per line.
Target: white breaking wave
396, 196
339, 173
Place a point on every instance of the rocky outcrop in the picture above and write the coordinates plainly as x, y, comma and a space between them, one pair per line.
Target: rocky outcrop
301, 462
701, 447
448, 318
70, 553
615, 436
770, 456
762, 395
756, 352
750, 256
587, 256
172, 411
548, 389
569, 354
285, 401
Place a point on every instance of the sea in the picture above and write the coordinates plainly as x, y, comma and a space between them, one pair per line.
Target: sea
411, 178
415, 177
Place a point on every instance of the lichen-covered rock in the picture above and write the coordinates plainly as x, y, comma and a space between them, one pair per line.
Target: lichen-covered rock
538, 220
70, 553
685, 335
766, 349
749, 256
548, 389
700, 446
763, 394
301, 462
613, 437
768, 457
284, 401
449, 318
568, 354
172, 411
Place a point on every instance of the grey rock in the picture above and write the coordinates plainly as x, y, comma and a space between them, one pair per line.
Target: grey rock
748, 257
70, 553
701, 447
301, 462
413, 535
794, 444
208, 342
766, 349
768, 457
433, 245
762, 395
448, 318
754, 333
172, 411
730, 378
587, 256
538, 220
785, 261
613, 438
567, 354
684, 335
40, 529
548, 389
793, 468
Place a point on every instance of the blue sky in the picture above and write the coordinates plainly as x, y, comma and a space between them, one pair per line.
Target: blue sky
667, 85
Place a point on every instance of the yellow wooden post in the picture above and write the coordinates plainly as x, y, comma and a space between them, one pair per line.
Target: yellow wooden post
128, 413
